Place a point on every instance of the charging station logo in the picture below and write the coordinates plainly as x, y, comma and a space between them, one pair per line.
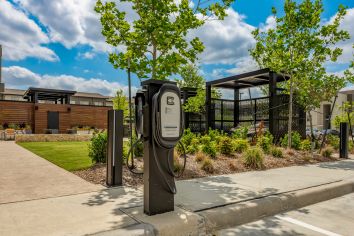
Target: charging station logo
170, 100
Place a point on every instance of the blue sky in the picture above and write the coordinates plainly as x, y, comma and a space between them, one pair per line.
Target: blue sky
57, 44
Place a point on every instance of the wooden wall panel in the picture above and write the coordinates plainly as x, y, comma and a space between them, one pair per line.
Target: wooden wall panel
13, 112
36, 115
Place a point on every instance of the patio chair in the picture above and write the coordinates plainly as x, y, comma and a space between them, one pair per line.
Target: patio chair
10, 134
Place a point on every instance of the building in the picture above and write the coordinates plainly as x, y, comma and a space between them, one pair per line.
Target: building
320, 116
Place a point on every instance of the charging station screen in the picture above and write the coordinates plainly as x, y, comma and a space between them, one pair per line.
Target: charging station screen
170, 115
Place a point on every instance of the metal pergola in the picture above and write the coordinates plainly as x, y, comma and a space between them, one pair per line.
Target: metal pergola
251, 110
55, 95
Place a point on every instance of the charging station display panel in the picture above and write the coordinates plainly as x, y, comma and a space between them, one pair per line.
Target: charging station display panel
170, 115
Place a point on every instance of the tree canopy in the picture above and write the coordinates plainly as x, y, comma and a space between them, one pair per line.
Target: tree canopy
157, 43
299, 46
120, 102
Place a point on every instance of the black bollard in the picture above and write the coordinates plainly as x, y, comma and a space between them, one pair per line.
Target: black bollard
344, 138
115, 148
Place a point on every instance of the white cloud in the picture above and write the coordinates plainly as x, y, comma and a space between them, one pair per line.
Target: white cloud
269, 24
21, 37
19, 77
72, 22
225, 41
243, 65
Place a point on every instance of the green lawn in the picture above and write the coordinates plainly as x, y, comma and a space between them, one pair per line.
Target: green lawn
68, 155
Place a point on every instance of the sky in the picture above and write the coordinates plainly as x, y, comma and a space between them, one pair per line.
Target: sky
58, 44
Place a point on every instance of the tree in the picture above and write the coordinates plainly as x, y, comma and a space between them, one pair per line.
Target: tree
156, 43
120, 102
190, 77
299, 46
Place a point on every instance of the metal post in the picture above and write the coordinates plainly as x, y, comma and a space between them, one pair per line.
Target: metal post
236, 107
208, 108
344, 138
130, 111
115, 148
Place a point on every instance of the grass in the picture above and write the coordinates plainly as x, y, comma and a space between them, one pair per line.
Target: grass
70, 156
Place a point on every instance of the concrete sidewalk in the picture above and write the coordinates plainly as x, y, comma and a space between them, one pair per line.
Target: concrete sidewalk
202, 205
25, 176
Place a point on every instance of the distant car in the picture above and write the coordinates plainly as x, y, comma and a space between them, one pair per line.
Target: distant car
331, 132
316, 132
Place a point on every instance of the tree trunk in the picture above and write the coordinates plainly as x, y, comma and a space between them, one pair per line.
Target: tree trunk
290, 121
312, 134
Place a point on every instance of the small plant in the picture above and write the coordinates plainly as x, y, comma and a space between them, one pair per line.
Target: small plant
307, 158
214, 135
327, 152
98, 147
205, 140
265, 143
240, 145
306, 145
13, 126
240, 133
187, 137
200, 156
194, 146
277, 152
225, 145
177, 166
210, 149
295, 140
333, 140
290, 152
1, 127
254, 158
208, 165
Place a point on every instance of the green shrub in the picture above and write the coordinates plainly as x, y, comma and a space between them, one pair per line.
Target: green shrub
205, 140
125, 150
265, 143
327, 152
208, 165
254, 157
333, 140
177, 166
295, 140
225, 145
277, 152
210, 149
269, 136
193, 147
138, 148
214, 135
240, 133
306, 145
98, 147
240, 145
187, 137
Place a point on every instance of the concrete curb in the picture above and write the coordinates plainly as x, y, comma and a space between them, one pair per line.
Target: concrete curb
249, 211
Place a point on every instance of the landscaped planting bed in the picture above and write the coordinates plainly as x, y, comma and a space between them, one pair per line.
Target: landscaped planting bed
211, 154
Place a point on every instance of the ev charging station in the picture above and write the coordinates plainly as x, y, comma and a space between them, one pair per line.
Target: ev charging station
159, 121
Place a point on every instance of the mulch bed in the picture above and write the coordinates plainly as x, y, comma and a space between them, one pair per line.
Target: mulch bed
222, 165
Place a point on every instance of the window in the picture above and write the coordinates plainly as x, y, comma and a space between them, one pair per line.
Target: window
84, 103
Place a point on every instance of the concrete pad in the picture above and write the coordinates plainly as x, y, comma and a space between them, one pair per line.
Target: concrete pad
178, 222
25, 176
80, 214
335, 216
209, 192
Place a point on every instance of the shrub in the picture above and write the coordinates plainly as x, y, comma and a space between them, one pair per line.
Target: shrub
138, 148
240, 133
1, 127
277, 152
214, 135
199, 157
306, 145
210, 149
208, 165
265, 143
225, 145
295, 140
254, 157
98, 147
205, 140
187, 137
241, 145
333, 140
193, 147
327, 152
